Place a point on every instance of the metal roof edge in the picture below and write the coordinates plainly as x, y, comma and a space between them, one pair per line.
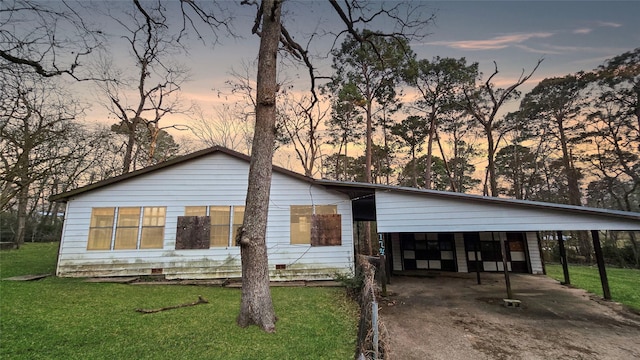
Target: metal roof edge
487, 199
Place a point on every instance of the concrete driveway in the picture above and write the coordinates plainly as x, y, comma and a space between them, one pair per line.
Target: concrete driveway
449, 316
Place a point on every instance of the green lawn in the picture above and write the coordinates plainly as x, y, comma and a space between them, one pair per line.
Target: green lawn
57, 318
624, 284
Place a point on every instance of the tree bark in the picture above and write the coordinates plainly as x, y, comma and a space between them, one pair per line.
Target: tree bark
256, 306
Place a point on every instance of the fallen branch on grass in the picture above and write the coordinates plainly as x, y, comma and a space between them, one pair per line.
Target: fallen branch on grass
201, 300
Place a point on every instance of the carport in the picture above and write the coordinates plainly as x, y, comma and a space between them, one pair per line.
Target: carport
435, 230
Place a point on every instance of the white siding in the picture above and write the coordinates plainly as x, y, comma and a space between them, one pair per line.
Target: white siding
217, 179
395, 249
534, 253
413, 212
461, 259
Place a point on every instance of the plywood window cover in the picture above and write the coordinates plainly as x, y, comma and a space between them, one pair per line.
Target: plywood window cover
193, 232
326, 230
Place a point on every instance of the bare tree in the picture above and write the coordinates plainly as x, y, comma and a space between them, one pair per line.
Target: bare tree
300, 123
483, 102
223, 128
55, 42
36, 116
156, 84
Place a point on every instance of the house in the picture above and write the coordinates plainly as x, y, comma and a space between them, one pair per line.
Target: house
179, 219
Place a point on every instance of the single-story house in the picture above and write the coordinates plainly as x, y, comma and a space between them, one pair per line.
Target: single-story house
179, 219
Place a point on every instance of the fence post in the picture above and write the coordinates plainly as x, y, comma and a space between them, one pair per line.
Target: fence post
374, 327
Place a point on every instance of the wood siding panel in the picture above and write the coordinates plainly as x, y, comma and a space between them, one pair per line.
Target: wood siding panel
461, 257
401, 212
213, 180
534, 253
326, 230
193, 232
395, 249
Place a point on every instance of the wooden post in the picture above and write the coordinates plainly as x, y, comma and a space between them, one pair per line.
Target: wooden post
563, 258
595, 236
383, 274
507, 281
478, 262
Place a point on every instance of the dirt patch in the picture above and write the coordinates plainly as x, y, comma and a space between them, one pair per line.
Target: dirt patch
451, 317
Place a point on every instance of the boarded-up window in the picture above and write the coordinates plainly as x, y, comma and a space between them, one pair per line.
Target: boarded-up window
127, 228
326, 230
193, 232
101, 229
302, 225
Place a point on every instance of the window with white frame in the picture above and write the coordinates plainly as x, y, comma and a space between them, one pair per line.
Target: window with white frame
127, 228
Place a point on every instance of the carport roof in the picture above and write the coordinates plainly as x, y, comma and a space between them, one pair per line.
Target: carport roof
355, 190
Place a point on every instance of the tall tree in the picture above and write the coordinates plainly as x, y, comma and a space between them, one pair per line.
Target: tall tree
412, 132
518, 166
553, 107
440, 83
256, 304
483, 103
614, 125
344, 126
374, 69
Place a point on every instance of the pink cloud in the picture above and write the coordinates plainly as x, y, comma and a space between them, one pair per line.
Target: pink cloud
582, 31
498, 42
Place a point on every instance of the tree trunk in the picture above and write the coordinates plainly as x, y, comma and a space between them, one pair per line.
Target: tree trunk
369, 146
128, 155
256, 306
491, 166
428, 175
23, 198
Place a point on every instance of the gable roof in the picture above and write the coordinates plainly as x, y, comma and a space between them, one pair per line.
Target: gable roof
63, 197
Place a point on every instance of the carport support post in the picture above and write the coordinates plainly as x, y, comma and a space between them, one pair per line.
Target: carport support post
563, 258
506, 269
595, 236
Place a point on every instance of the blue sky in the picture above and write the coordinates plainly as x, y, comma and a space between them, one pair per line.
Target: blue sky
569, 35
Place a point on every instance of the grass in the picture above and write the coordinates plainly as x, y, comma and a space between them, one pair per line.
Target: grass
624, 284
61, 318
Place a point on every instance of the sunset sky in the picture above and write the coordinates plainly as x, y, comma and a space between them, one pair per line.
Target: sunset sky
569, 35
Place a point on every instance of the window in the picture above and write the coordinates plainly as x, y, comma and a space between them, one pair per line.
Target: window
101, 229
238, 218
135, 228
195, 211
153, 228
224, 223
220, 220
315, 225
127, 228
301, 224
